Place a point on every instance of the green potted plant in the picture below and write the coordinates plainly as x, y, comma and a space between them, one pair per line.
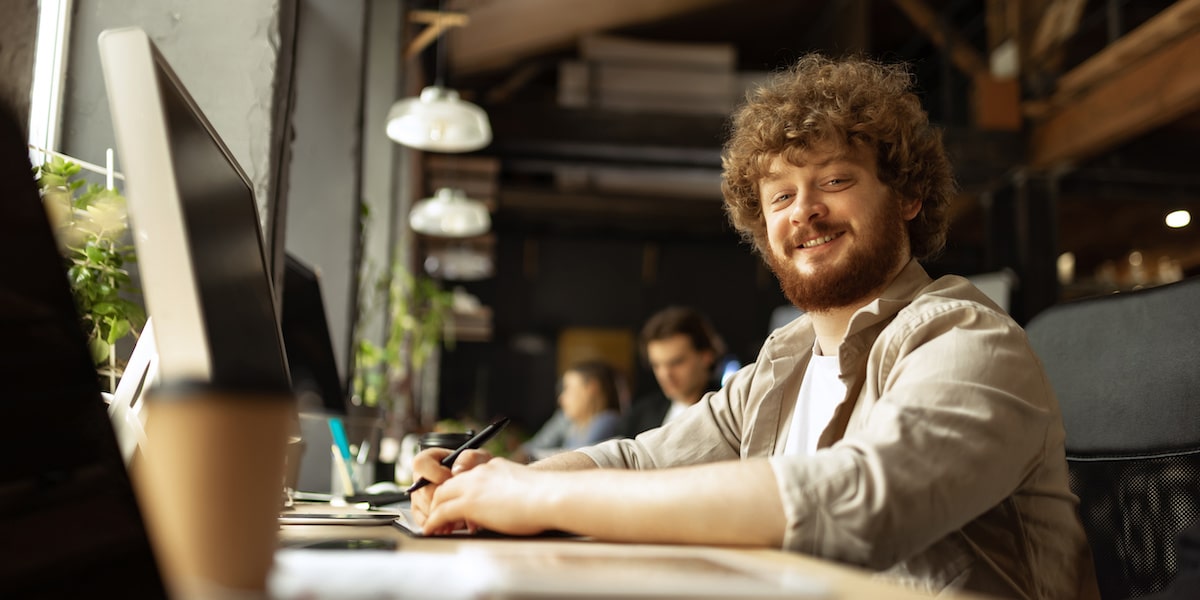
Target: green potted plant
90, 223
389, 376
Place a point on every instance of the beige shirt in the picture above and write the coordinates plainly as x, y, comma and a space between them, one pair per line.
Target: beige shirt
943, 467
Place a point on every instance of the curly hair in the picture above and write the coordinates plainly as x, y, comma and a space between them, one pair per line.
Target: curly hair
854, 104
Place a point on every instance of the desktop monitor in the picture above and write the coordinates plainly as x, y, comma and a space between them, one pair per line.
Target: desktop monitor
316, 383
315, 379
195, 224
71, 525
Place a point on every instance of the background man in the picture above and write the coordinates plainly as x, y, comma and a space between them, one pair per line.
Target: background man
681, 347
903, 424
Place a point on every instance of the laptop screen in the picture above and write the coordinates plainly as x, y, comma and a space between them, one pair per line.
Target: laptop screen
316, 381
70, 521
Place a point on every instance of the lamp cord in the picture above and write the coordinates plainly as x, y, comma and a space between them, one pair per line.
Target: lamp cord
440, 56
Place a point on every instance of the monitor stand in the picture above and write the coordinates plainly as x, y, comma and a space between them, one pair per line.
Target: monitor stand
125, 408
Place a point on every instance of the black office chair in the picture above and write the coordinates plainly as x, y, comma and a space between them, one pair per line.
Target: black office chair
1126, 369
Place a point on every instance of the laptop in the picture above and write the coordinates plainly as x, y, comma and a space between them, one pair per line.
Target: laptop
70, 521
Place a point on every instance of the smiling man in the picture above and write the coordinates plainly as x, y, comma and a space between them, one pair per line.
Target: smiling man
902, 424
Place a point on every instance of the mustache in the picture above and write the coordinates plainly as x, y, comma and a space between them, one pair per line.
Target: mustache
817, 229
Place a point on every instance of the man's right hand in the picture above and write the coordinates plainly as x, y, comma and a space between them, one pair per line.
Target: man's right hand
428, 464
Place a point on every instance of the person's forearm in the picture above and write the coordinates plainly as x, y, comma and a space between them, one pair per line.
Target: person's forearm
566, 461
735, 503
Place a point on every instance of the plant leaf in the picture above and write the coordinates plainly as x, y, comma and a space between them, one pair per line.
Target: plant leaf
120, 328
99, 349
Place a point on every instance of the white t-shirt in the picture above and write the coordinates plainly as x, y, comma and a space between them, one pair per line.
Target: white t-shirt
676, 409
820, 393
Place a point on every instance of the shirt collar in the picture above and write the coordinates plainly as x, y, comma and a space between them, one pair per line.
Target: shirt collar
900, 293
906, 286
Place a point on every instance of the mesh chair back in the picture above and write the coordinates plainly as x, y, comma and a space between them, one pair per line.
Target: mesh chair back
1126, 370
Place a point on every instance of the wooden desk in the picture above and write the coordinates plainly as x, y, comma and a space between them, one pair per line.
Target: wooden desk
435, 560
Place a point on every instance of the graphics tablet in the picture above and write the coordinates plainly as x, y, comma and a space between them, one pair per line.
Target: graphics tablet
404, 522
338, 518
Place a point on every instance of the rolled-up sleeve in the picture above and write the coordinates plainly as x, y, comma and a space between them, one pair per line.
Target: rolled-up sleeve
957, 418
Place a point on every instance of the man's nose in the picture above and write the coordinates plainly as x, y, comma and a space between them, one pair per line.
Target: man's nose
808, 206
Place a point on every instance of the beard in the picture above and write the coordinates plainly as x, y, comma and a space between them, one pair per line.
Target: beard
864, 270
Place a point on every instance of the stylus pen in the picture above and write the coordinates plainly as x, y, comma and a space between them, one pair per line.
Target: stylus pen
472, 444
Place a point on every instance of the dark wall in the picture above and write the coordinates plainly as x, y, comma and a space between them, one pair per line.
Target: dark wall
557, 281
18, 40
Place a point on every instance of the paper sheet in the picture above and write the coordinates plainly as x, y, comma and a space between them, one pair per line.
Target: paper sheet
533, 570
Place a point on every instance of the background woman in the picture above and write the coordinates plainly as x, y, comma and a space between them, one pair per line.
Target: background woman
587, 414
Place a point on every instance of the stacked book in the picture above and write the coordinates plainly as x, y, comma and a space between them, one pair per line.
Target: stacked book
636, 75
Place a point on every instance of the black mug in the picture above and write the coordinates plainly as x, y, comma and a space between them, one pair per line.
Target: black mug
443, 439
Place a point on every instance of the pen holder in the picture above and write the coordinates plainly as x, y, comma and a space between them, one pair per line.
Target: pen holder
209, 484
362, 435
360, 475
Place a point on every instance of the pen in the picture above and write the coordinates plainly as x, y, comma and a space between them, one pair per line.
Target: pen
364, 450
472, 444
343, 470
337, 430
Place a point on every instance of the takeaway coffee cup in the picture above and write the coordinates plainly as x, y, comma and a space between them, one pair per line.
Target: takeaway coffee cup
209, 484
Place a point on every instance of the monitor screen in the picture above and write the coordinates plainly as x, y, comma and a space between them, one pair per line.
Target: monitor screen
315, 379
195, 223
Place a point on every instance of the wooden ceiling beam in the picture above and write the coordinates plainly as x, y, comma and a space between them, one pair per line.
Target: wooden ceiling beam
962, 53
1163, 87
1059, 22
1173, 22
997, 23
503, 32
436, 23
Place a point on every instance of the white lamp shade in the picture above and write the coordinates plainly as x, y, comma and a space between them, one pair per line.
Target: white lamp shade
459, 264
450, 213
438, 120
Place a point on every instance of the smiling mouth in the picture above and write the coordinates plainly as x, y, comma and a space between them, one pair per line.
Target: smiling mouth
819, 241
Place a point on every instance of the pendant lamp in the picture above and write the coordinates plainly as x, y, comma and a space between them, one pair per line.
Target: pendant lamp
459, 263
450, 213
438, 120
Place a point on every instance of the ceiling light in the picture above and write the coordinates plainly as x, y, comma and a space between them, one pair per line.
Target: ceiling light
439, 121
459, 264
450, 213
1179, 218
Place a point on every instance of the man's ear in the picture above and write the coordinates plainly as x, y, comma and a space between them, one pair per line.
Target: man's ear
910, 208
